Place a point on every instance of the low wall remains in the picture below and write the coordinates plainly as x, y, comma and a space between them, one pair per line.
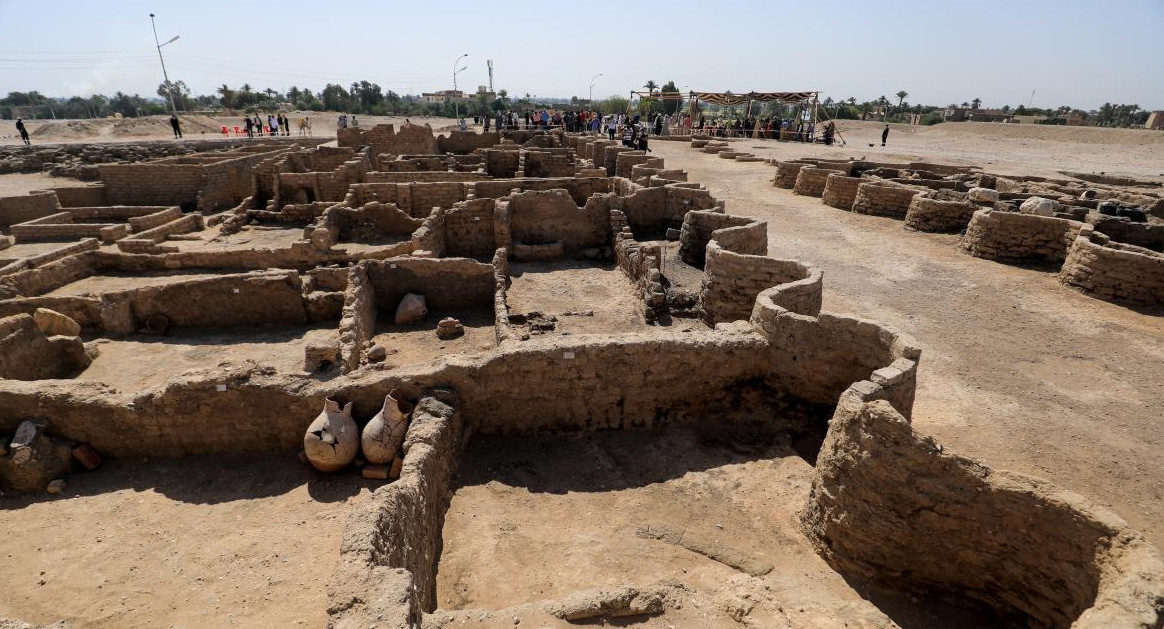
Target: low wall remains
840, 191
1114, 271
1019, 238
890, 507
732, 281
787, 172
35, 204
810, 181
879, 198
935, 215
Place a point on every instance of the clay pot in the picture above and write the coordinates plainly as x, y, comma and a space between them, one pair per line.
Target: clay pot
333, 439
384, 435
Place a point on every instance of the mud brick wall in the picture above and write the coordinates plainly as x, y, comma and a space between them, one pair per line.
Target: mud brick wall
934, 215
610, 157
819, 355
430, 237
81, 196
697, 229
259, 298
594, 151
27, 354
579, 188
425, 196
502, 163
154, 219
840, 191
447, 283
421, 176
1019, 238
732, 281
390, 163
544, 164
890, 507
465, 142
1114, 271
60, 226
383, 138
358, 320
1120, 229
48, 271
787, 172
146, 241
152, 184
543, 217
810, 181
880, 199
35, 204
364, 193
469, 229
387, 569
624, 162
370, 221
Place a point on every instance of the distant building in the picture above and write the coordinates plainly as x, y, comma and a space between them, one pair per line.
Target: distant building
1155, 120
446, 96
963, 114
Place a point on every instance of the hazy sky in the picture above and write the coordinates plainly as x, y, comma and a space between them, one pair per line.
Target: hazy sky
1071, 52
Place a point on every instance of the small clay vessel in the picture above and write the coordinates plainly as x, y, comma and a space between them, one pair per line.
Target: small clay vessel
384, 435
332, 441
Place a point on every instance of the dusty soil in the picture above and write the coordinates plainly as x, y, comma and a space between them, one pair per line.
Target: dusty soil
418, 343
141, 361
196, 542
1016, 149
1018, 370
576, 287
12, 185
536, 519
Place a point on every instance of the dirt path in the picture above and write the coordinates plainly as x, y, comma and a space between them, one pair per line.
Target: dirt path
1017, 370
194, 542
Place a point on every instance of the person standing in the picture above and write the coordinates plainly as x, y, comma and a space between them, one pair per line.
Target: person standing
355, 123
884, 135
176, 126
23, 131
248, 126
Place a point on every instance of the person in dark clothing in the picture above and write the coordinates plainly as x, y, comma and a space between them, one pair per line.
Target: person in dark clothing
248, 126
884, 135
829, 132
23, 131
176, 125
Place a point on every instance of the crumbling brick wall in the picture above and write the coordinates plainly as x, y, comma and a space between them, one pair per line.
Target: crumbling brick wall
469, 229
502, 163
579, 188
935, 215
542, 217
840, 191
465, 142
90, 195
448, 284
732, 281
696, 232
50, 271
1120, 229
27, 354
545, 164
1019, 238
1114, 271
358, 321
35, 204
879, 198
891, 507
383, 138
811, 180
787, 172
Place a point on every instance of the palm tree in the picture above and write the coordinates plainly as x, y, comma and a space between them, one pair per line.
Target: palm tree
901, 96
975, 103
227, 96
651, 86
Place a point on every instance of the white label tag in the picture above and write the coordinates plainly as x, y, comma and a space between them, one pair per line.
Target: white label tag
220, 387
476, 218
392, 266
234, 290
568, 355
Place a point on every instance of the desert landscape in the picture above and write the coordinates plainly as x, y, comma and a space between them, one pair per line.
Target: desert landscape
723, 383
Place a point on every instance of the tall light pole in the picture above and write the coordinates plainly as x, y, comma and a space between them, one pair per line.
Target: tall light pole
457, 98
591, 101
169, 86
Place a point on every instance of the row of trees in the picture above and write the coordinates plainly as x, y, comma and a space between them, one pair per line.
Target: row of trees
365, 97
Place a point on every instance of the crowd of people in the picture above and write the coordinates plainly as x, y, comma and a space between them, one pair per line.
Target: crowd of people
276, 124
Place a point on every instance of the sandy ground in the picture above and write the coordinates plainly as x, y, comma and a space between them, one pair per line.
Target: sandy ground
185, 543
1017, 149
579, 288
1018, 370
12, 185
536, 519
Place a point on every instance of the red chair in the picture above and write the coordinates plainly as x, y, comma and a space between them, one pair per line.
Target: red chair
237, 132
225, 133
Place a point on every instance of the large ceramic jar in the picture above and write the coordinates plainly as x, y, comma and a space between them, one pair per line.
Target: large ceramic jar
384, 435
333, 439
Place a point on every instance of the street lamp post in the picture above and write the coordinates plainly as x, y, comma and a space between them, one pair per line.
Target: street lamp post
169, 86
456, 99
591, 100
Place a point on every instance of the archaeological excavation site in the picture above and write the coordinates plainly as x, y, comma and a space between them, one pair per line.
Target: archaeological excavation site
521, 378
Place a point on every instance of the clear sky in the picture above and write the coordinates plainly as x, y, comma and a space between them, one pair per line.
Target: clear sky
1069, 52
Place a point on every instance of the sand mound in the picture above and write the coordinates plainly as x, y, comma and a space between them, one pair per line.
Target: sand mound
67, 129
155, 125
1079, 135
